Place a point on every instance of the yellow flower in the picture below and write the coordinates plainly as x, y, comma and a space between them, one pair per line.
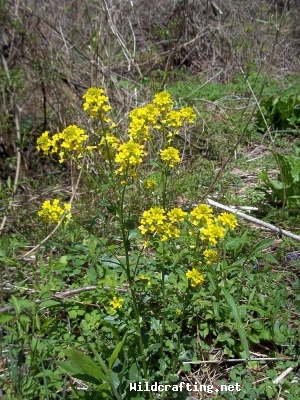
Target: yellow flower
53, 212
187, 113
155, 215
176, 118
116, 302
145, 279
228, 220
108, 146
91, 148
213, 232
129, 153
140, 121
149, 184
201, 214
163, 102
173, 119
196, 277
44, 142
70, 139
211, 256
168, 231
176, 214
96, 103
110, 140
155, 220
170, 155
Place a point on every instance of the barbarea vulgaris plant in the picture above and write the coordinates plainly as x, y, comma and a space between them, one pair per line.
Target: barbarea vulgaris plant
165, 250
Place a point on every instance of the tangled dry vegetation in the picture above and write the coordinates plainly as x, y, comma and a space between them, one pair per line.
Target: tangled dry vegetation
51, 51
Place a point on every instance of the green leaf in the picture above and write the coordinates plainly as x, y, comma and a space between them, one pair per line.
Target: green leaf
16, 304
254, 338
87, 378
130, 224
111, 262
267, 256
259, 310
115, 380
261, 246
264, 334
134, 372
156, 325
68, 367
50, 303
100, 360
111, 208
270, 391
236, 316
83, 364
172, 325
115, 353
280, 338
162, 365
5, 317
73, 314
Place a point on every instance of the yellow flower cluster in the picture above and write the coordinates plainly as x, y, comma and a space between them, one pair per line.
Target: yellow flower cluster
196, 277
227, 220
145, 279
212, 229
96, 103
129, 154
163, 102
70, 139
54, 212
149, 184
108, 146
46, 144
170, 156
211, 256
157, 221
201, 214
110, 140
140, 121
116, 302
158, 114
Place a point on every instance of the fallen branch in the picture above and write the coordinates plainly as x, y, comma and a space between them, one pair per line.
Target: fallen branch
237, 360
67, 293
254, 220
283, 375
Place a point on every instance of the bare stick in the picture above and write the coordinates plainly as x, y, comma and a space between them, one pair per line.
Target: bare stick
283, 375
237, 360
18, 151
67, 293
254, 220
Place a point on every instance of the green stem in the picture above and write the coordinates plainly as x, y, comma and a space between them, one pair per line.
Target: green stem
135, 306
131, 282
164, 304
185, 304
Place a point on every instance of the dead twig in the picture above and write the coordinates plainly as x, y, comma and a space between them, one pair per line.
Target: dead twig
254, 220
67, 293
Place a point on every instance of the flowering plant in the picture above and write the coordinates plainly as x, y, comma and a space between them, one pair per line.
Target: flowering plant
166, 251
